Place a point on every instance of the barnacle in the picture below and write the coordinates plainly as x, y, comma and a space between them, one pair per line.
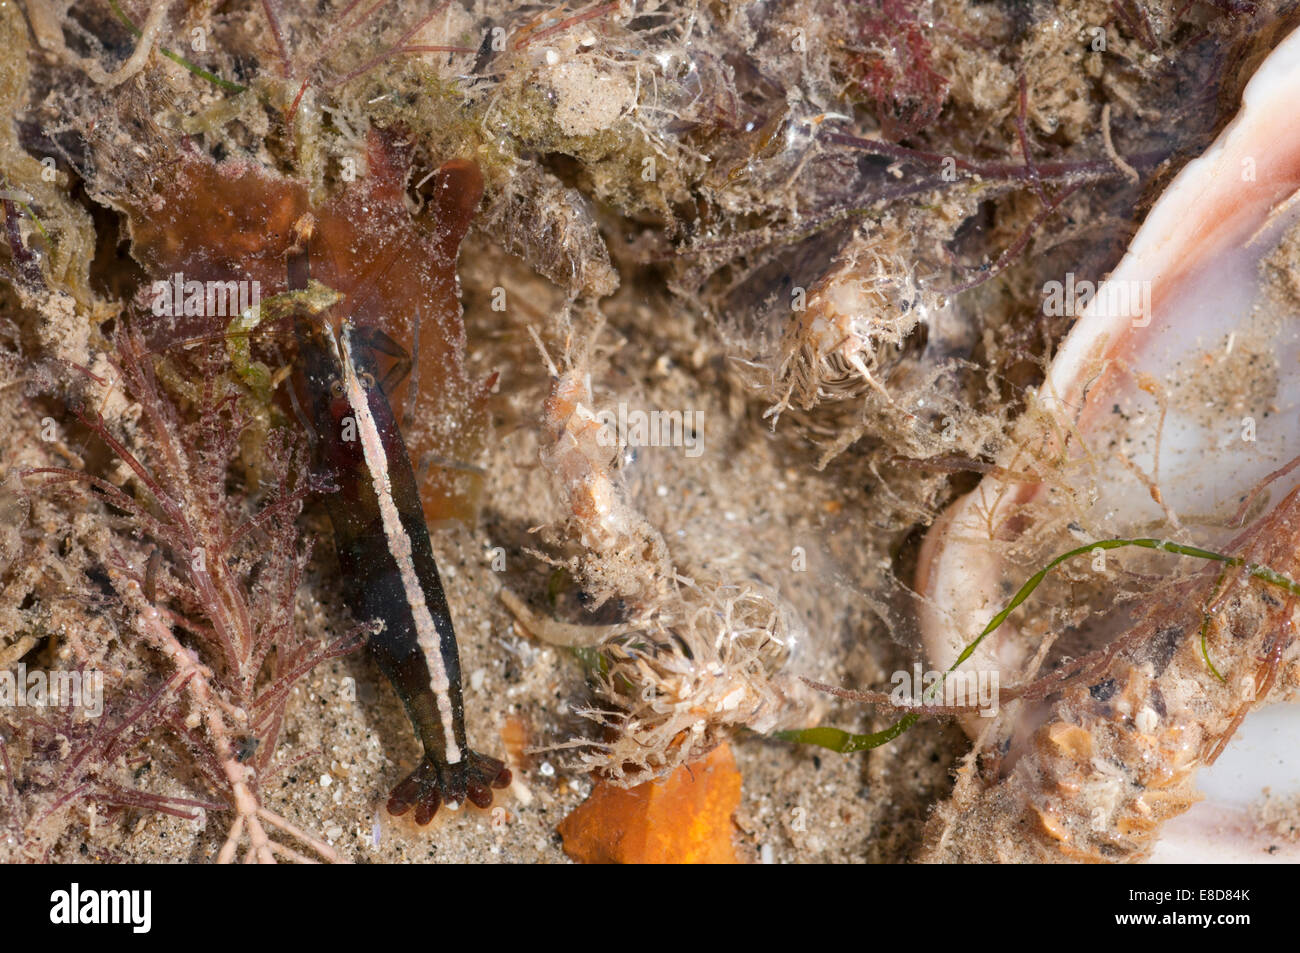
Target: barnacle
847, 331
693, 667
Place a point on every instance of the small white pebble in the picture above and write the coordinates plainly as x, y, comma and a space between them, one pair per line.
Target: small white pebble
476, 679
1147, 720
326, 780
552, 57
546, 769
661, 490
520, 791
333, 832
765, 855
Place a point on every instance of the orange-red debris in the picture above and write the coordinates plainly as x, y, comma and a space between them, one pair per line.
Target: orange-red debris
685, 819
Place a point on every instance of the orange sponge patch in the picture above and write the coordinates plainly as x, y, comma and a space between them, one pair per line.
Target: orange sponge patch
685, 819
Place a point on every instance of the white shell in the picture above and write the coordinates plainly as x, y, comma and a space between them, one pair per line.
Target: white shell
1198, 330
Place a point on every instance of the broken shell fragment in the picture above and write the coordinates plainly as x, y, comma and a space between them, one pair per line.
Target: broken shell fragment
1170, 411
